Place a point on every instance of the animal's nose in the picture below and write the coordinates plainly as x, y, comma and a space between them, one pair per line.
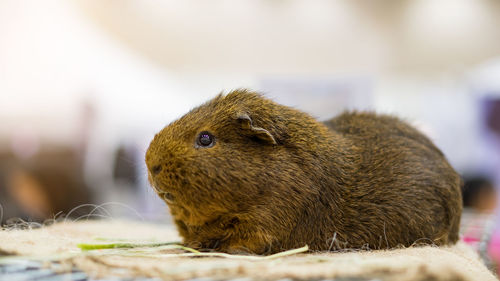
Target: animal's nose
156, 169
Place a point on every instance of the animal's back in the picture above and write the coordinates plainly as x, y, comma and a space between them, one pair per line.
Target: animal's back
397, 167
368, 127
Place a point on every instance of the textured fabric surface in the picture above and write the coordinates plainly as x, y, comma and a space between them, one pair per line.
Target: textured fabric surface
59, 242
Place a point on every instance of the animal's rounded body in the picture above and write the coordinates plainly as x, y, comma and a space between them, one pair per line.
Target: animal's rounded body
244, 174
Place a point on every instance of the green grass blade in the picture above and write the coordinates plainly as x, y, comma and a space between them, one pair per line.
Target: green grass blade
100, 246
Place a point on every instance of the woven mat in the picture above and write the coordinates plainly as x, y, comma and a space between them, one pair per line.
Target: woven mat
58, 242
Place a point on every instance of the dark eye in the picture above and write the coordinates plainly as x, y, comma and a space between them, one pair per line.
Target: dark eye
205, 139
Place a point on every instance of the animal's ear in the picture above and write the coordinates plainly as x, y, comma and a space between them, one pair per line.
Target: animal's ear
262, 134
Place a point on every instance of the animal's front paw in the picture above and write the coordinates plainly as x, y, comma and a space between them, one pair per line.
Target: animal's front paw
239, 251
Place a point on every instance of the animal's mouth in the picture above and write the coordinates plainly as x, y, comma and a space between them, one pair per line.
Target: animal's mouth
167, 197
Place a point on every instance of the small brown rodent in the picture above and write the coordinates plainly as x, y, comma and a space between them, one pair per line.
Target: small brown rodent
242, 173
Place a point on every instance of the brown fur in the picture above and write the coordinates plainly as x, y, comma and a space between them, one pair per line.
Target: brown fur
277, 179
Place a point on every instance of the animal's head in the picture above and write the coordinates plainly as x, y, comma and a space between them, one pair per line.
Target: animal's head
229, 155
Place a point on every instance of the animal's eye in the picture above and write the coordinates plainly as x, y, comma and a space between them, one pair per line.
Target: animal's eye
205, 139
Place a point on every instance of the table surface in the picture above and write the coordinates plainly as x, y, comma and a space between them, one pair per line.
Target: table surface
26, 270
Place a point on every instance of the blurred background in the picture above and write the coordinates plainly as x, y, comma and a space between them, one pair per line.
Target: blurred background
84, 85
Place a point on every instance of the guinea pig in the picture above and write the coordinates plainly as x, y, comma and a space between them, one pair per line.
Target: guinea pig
242, 173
